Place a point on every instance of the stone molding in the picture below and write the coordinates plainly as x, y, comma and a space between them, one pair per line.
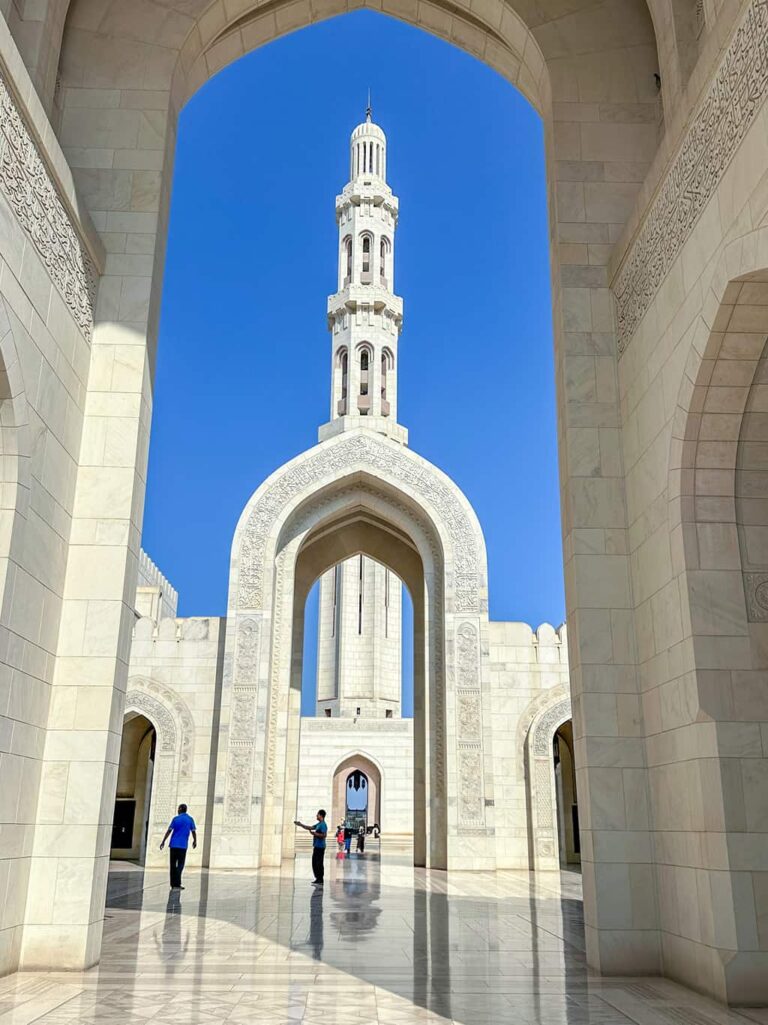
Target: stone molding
36, 202
718, 126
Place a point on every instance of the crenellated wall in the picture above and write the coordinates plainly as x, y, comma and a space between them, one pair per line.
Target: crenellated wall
156, 598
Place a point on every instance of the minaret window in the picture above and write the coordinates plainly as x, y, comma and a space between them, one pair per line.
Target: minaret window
366, 269
343, 370
347, 260
387, 362
364, 367
383, 260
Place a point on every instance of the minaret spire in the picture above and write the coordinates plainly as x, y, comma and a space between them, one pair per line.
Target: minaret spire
365, 316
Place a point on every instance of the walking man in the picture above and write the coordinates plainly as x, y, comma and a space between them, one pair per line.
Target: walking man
318, 831
179, 829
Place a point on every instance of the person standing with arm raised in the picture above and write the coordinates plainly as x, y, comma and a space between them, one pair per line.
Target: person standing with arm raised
319, 831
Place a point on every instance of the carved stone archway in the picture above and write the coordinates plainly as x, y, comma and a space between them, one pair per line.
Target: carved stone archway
173, 751
540, 780
400, 510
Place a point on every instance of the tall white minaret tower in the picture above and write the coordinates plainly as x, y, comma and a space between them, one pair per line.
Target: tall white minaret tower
359, 661
365, 316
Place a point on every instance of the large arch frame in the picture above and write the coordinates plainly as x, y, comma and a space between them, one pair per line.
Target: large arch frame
358, 492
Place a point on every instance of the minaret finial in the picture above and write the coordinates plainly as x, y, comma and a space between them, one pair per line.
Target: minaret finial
369, 109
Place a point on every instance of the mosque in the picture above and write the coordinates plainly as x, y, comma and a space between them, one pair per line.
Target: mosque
482, 776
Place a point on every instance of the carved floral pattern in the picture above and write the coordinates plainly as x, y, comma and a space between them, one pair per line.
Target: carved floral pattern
242, 725
470, 783
717, 128
35, 200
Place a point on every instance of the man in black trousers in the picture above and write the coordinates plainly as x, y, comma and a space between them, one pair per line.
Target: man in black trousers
319, 832
179, 831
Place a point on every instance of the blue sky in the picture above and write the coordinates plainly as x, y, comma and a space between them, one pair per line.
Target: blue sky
242, 371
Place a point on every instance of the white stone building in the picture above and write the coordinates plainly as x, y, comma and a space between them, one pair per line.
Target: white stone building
192, 702
654, 117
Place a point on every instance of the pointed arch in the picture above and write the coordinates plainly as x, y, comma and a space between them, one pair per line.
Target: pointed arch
541, 785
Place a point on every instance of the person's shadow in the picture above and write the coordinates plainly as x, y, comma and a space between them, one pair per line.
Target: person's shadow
169, 944
316, 923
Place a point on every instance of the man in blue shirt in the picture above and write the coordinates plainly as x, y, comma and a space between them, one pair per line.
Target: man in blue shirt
318, 831
180, 828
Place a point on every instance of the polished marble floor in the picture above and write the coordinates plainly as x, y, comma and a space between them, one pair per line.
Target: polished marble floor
382, 943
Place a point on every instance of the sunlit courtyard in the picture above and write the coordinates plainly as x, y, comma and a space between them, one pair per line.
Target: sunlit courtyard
382, 942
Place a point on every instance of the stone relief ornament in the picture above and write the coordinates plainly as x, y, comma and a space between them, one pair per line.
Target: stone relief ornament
546, 726
332, 462
467, 655
34, 199
469, 724
158, 715
174, 710
242, 725
468, 716
718, 126
470, 783
756, 591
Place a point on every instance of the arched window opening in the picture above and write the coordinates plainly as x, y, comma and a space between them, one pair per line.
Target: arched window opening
384, 403
383, 260
364, 366
364, 398
347, 260
366, 269
343, 368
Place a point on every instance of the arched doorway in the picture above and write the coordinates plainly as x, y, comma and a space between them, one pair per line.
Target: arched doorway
551, 787
133, 802
356, 792
569, 844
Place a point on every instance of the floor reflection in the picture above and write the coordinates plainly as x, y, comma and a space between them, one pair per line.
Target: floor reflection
382, 942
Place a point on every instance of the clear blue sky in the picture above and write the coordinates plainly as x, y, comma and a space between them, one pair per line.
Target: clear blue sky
242, 371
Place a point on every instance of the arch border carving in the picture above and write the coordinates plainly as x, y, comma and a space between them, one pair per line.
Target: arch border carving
540, 781
333, 461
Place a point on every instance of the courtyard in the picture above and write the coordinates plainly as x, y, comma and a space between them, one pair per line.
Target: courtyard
382, 942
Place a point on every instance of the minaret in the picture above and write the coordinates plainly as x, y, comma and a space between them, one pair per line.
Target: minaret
365, 316
359, 667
